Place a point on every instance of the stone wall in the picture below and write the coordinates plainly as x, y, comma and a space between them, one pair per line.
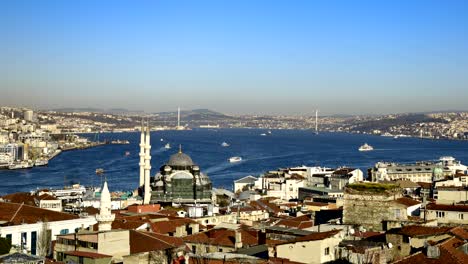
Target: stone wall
369, 210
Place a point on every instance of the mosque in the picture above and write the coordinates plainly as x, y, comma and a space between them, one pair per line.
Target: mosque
178, 181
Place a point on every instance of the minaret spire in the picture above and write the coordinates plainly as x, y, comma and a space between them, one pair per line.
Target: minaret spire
147, 194
105, 216
142, 155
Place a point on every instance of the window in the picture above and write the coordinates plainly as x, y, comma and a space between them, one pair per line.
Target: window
220, 250
327, 251
64, 231
8, 237
397, 213
440, 214
33, 242
80, 260
23, 240
460, 216
194, 249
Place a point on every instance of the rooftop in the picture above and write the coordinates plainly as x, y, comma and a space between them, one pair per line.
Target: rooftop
371, 187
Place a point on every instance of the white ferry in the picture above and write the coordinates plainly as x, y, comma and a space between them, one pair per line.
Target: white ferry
366, 147
167, 146
235, 159
225, 144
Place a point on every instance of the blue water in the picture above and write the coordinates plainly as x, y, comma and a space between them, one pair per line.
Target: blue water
283, 148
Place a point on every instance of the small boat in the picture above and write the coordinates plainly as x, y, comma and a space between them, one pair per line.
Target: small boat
127, 153
269, 131
162, 139
262, 134
99, 171
235, 159
366, 147
41, 162
167, 146
21, 165
225, 144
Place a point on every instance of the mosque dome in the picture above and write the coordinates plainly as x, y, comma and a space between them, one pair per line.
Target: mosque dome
180, 159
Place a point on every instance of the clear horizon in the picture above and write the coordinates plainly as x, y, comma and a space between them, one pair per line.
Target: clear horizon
242, 57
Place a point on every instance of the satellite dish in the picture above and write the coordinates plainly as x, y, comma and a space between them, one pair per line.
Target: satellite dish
351, 231
390, 245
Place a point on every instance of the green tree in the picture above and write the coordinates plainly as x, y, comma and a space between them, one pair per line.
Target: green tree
5, 246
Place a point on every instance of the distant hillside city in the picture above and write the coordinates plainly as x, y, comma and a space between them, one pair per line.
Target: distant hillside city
440, 125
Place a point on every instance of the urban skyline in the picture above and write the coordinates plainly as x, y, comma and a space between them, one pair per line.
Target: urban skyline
242, 57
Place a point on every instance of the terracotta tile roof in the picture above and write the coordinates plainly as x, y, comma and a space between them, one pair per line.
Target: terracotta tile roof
90, 255
299, 222
169, 226
316, 204
460, 232
415, 230
317, 236
16, 214
425, 185
20, 197
281, 261
265, 204
46, 196
447, 207
145, 241
407, 201
448, 254
221, 237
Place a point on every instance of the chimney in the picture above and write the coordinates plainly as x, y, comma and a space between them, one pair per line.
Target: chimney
433, 252
238, 239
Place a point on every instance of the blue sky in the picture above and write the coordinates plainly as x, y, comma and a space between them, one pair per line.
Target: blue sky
239, 57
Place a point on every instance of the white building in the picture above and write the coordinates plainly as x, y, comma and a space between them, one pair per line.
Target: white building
245, 182
24, 225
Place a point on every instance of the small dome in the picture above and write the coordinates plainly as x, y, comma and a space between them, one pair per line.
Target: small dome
180, 159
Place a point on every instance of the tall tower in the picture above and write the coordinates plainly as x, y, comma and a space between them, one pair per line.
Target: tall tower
178, 117
142, 156
316, 121
147, 194
105, 217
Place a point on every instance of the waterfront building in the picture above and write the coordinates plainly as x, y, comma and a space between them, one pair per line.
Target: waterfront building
181, 181
245, 183
417, 172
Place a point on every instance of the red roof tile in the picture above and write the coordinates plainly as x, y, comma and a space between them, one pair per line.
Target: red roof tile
407, 201
87, 254
16, 214
447, 207
146, 241
415, 230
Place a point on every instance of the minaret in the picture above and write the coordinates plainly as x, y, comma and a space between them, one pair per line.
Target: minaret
105, 217
147, 194
142, 156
